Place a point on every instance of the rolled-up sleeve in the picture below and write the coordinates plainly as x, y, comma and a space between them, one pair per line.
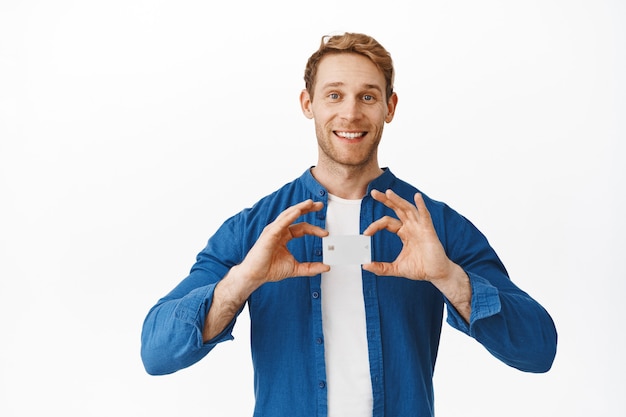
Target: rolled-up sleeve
507, 321
172, 332
171, 337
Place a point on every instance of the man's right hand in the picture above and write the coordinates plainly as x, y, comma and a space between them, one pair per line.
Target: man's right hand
269, 260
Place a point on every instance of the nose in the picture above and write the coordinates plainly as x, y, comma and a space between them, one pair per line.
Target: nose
351, 109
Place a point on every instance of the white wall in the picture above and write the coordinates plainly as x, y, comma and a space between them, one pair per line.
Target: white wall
129, 130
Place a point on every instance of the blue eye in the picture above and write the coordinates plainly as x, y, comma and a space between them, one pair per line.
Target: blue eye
333, 96
368, 97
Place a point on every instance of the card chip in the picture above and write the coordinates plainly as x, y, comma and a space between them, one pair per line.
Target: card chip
346, 250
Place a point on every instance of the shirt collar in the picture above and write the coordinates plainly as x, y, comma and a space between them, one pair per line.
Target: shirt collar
383, 182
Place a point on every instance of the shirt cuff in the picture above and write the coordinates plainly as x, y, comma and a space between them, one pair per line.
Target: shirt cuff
485, 303
196, 306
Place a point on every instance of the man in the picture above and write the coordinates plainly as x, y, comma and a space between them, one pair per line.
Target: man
347, 339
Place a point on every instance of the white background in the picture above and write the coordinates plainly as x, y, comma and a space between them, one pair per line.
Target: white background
129, 130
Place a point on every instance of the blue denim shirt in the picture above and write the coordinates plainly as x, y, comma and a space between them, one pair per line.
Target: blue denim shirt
403, 317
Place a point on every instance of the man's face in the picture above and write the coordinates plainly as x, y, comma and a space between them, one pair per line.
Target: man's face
349, 109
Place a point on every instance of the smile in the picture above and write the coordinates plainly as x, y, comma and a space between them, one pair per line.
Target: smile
350, 135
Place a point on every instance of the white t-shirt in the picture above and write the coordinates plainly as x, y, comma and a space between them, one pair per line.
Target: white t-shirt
348, 379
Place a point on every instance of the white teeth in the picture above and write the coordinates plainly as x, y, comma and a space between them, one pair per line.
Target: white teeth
349, 135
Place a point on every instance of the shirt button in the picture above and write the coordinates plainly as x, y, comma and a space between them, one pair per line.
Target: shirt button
322, 384
319, 340
318, 252
315, 294
322, 193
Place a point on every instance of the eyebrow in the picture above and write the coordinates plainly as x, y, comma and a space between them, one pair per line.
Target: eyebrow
340, 84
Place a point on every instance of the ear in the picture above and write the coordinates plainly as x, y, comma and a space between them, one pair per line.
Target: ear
305, 104
391, 107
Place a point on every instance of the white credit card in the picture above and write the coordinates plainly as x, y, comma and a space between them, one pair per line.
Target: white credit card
347, 250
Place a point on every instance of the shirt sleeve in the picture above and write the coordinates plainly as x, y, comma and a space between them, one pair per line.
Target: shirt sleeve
171, 337
507, 321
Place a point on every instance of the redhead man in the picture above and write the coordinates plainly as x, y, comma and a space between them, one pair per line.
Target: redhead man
357, 338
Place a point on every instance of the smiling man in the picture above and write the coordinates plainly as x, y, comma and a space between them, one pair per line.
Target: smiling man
347, 339
350, 112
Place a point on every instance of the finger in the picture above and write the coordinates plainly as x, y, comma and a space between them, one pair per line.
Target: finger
309, 269
385, 198
387, 222
421, 206
403, 208
312, 206
300, 229
289, 215
389, 198
381, 269
378, 196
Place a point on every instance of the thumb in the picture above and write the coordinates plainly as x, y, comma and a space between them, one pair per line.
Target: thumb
379, 268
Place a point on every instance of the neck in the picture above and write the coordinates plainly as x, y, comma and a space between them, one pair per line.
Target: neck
346, 181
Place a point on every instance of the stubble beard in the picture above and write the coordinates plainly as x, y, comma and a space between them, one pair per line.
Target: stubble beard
353, 161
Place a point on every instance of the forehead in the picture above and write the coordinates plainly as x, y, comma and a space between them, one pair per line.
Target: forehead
349, 69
